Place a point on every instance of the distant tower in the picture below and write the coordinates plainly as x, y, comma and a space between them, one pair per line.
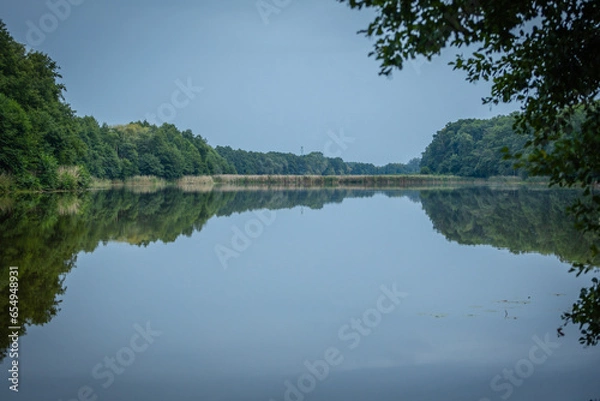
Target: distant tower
301, 150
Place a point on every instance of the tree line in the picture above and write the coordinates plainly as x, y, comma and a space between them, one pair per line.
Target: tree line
140, 148
44, 145
314, 163
475, 148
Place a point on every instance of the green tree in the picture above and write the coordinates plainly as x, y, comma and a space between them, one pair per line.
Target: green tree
37, 128
17, 143
473, 148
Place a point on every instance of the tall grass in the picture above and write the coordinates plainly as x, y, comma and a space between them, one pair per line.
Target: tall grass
149, 181
359, 181
71, 178
194, 183
226, 181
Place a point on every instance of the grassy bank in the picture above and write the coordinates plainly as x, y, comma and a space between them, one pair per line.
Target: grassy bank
362, 181
202, 183
139, 183
344, 181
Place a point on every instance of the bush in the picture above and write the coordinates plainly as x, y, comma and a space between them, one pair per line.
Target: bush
71, 178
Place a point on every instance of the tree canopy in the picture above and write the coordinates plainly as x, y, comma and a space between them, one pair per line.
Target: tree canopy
37, 128
140, 148
473, 148
314, 163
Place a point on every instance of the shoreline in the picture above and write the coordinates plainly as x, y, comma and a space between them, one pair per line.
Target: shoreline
276, 182
229, 182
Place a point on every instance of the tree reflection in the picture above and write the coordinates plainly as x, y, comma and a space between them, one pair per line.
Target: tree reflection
521, 221
42, 234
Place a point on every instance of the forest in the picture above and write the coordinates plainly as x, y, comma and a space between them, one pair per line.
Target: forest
475, 148
314, 163
44, 145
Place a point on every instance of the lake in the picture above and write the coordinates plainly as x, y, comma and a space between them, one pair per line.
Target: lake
333, 294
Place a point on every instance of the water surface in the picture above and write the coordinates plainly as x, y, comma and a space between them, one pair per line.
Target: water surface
298, 294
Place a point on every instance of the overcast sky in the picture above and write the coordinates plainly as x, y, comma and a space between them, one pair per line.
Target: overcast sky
280, 81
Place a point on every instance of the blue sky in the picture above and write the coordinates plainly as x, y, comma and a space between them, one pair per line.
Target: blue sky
282, 81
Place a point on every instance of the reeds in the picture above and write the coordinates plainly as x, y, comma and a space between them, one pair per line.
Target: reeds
195, 183
231, 181
101, 183
358, 181
145, 180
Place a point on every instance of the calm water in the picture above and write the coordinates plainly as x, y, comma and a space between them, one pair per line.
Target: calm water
296, 295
